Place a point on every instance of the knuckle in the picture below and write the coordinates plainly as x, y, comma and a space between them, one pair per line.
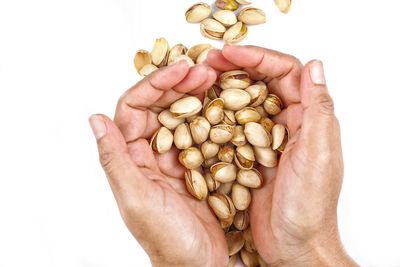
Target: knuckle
106, 161
325, 104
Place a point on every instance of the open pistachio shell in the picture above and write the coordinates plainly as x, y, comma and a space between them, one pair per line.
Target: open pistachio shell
162, 140
182, 137
252, 16
211, 183
234, 79
280, 136
175, 52
273, 105
209, 149
236, 33
209, 162
223, 172
283, 5
267, 124
212, 29
235, 99
232, 260
227, 4
215, 111
168, 120
221, 133
266, 156
249, 241
246, 115
142, 58
186, 107
244, 157
159, 54
200, 129
188, 60
235, 242
214, 92
226, 17
195, 51
198, 12
226, 154
229, 117
250, 178
249, 259
196, 184
222, 206
147, 70
238, 139
256, 135
191, 158
241, 196
241, 220
258, 93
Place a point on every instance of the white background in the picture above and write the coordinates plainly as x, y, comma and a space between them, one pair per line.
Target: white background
61, 61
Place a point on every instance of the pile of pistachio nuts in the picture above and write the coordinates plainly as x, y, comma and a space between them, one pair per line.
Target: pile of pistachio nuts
225, 24
222, 141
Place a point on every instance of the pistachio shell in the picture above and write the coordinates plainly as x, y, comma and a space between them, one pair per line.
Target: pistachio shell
196, 184
203, 56
249, 259
235, 99
244, 2
273, 105
211, 183
244, 157
266, 156
142, 58
234, 79
236, 33
188, 60
186, 107
252, 16
226, 17
198, 12
182, 137
232, 260
159, 54
227, 4
195, 51
222, 206
162, 140
267, 124
247, 115
221, 133
226, 224
283, 5
191, 158
256, 135
225, 188
215, 111
239, 139
229, 117
209, 162
250, 178
191, 118
147, 70
241, 220
249, 241
209, 149
212, 29
175, 52
235, 242
200, 129
258, 93
214, 92
261, 111
241, 196
279, 136
168, 120
226, 154
223, 172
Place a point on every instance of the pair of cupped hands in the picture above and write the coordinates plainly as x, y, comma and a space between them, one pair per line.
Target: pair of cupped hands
293, 216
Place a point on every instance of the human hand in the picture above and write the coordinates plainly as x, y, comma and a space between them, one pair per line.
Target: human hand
293, 216
173, 227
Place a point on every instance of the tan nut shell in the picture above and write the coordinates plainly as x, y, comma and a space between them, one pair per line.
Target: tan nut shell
200, 129
162, 140
246, 115
211, 183
250, 178
182, 136
256, 135
147, 70
273, 105
266, 156
226, 17
252, 16
234, 79
198, 12
195, 51
209, 149
227, 4
239, 139
223, 172
212, 29
236, 33
279, 137
196, 184
159, 54
175, 52
235, 242
186, 107
221, 133
244, 157
222, 206
258, 93
215, 111
283, 5
235, 99
168, 120
241, 196
241, 220
191, 158
226, 154
142, 58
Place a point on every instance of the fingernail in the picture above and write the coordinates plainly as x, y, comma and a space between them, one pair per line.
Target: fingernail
317, 73
99, 128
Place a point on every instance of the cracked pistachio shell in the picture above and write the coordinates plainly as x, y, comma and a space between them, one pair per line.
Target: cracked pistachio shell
212, 29
203, 56
195, 51
211, 183
235, 242
176, 51
236, 33
238, 139
196, 184
247, 115
147, 70
244, 2
241, 220
261, 111
232, 260
215, 111
221, 133
258, 93
234, 79
235, 99
209, 149
186, 107
226, 17
226, 154
249, 259
280, 136
223, 172
159, 54
273, 105
222, 206
266, 156
191, 158
252, 16
244, 157
200, 129
241, 196
229, 117
249, 241
162, 140
198, 12
231, 5
141, 59
168, 120
191, 118
283, 5
209, 162
214, 92
226, 224
256, 135
182, 137
267, 123
188, 60
250, 178
225, 188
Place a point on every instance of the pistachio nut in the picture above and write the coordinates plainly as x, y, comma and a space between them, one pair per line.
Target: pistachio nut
241, 196
234, 79
211, 183
267, 123
168, 120
206, 102
209, 149
198, 12
162, 140
229, 117
159, 54
235, 99
182, 137
244, 2
266, 156
221, 133
249, 259
196, 184
186, 107
258, 93
238, 139
200, 129
250, 178
256, 135
142, 58
191, 158
280, 136
223, 172
246, 115
215, 111
232, 260
236, 33
209, 162
283, 5
203, 56
175, 52
273, 105
231, 5
212, 29
260, 109
235, 242
252, 16
188, 60
241, 220
191, 118
226, 154
214, 92
195, 51
222, 206
226, 17
225, 188
249, 241
147, 70
244, 157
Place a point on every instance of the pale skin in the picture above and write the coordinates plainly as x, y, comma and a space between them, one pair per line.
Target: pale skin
294, 214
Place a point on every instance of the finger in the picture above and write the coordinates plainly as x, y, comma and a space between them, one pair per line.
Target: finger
142, 155
292, 117
170, 165
217, 61
125, 179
